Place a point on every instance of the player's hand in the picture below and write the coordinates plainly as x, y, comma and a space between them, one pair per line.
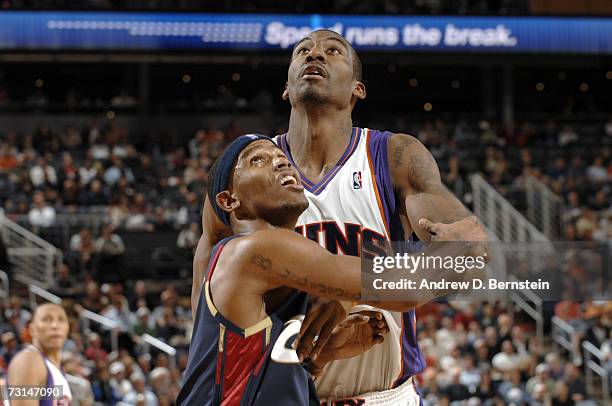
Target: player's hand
317, 328
468, 229
355, 335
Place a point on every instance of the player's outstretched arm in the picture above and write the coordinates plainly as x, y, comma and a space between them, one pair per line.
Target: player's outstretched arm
416, 176
284, 258
27, 368
213, 230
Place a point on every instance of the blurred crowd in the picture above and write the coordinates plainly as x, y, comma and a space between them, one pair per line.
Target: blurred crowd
478, 355
132, 374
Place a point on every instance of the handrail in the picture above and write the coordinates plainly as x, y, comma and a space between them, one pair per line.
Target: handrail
562, 333
536, 311
35, 290
544, 207
5, 290
160, 345
34, 259
110, 324
591, 351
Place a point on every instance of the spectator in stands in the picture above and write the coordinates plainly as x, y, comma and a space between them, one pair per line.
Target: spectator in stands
542, 377
145, 173
190, 211
88, 171
188, 238
576, 385
509, 359
116, 171
161, 380
92, 300
94, 350
109, 248
562, 395
455, 391
119, 210
96, 195
140, 394
8, 158
43, 174
586, 225
16, 308
101, 387
70, 195
118, 383
597, 173
82, 249
10, 347
143, 323
567, 136
65, 284
41, 215
118, 310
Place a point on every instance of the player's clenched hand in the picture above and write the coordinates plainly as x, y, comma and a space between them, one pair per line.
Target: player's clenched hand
317, 327
355, 335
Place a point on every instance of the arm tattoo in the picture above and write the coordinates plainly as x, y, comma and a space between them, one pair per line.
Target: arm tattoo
423, 177
398, 154
265, 264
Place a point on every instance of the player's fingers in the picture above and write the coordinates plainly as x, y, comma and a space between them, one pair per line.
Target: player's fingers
311, 334
323, 339
355, 319
432, 228
377, 323
378, 339
311, 318
373, 314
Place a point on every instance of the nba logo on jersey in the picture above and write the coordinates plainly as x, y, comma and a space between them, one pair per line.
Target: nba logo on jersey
357, 180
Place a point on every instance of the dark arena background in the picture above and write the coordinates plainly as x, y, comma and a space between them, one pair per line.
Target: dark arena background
112, 112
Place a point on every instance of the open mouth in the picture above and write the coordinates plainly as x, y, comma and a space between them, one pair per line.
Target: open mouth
289, 180
314, 72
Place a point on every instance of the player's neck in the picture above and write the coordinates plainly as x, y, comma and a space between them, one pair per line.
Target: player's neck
251, 226
55, 356
318, 137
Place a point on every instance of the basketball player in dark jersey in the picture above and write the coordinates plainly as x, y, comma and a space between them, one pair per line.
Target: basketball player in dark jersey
258, 192
39, 365
323, 86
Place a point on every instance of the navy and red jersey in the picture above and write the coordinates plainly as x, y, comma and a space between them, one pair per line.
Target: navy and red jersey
231, 366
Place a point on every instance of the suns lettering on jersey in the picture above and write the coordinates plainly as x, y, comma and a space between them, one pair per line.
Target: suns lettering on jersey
348, 242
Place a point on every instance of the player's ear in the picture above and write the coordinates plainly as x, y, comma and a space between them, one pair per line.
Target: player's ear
286, 92
359, 90
227, 201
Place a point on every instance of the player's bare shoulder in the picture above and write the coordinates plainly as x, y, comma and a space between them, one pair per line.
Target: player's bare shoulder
27, 367
412, 166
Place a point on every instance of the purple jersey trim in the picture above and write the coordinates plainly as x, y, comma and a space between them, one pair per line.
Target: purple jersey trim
316, 188
413, 361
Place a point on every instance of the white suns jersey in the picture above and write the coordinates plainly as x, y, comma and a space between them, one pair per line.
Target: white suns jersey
345, 210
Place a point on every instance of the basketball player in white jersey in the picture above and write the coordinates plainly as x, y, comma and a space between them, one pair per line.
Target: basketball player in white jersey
362, 186
39, 364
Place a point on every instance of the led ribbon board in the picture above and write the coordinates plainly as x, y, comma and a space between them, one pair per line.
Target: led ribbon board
127, 31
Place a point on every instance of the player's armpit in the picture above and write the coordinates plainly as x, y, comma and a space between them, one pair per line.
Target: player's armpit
415, 175
213, 230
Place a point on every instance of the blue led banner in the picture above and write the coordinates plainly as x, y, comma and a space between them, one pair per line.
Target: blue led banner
94, 31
